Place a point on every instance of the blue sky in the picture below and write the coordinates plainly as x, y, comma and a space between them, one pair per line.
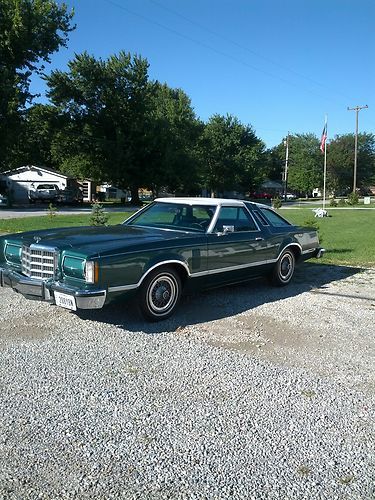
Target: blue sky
278, 65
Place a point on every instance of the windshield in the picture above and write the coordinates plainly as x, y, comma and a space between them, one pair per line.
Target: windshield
178, 216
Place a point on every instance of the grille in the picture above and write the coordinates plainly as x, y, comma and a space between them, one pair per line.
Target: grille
39, 262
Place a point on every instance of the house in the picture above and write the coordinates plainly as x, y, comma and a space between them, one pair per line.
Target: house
24, 179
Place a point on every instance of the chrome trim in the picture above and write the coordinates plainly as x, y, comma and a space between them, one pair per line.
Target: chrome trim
232, 268
39, 266
310, 250
132, 286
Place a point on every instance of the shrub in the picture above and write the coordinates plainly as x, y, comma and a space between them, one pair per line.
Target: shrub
51, 211
276, 203
98, 215
341, 202
353, 199
332, 202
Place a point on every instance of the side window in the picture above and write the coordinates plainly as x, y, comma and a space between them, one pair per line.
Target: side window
260, 218
237, 217
274, 219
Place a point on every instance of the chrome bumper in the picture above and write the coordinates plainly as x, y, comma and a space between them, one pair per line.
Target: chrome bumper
44, 290
319, 252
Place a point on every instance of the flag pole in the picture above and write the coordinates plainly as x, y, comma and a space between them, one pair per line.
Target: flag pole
325, 166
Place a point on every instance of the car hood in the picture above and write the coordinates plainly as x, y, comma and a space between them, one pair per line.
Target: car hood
99, 240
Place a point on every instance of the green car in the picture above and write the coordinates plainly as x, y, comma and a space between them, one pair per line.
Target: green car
170, 246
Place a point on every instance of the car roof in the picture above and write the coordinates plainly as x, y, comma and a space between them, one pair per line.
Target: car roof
202, 201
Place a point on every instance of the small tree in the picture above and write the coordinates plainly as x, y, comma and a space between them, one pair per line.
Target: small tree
51, 211
276, 203
98, 217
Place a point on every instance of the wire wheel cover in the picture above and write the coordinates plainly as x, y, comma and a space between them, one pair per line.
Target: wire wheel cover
286, 267
162, 294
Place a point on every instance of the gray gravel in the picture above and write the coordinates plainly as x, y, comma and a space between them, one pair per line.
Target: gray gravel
248, 392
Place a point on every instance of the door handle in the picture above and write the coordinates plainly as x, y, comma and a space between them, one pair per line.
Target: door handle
259, 239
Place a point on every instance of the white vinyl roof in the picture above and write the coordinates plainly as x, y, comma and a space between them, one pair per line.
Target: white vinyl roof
203, 201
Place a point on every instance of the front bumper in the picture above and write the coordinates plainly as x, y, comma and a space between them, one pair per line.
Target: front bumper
44, 290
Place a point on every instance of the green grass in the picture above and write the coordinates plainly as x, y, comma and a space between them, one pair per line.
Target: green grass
348, 235
45, 222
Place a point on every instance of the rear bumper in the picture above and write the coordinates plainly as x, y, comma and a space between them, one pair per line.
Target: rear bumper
319, 252
41, 290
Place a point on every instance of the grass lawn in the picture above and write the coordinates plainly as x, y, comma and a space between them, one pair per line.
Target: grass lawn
45, 222
348, 235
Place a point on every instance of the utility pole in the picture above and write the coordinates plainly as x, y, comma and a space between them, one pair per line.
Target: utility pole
357, 109
286, 144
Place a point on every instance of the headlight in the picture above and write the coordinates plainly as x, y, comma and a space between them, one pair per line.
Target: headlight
74, 267
12, 253
91, 271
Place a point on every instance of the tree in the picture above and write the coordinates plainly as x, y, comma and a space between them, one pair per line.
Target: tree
30, 31
39, 127
340, 161
173, 134
118, 126
306, 163
102, 105
231, 155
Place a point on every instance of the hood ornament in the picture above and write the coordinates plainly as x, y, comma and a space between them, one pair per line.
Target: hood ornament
37, 239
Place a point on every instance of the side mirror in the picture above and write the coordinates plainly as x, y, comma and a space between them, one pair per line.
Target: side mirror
228, 229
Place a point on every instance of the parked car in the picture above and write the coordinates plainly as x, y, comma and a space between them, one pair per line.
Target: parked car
44, 192
70, 196
291, 196
261, 196
3, 200
170, 246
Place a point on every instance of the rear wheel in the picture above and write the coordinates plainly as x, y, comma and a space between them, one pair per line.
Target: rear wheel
160, 293
284, 269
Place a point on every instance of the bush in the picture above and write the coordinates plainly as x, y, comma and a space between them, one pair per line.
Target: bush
341, 202
51, 211
276, 203
98, 215
353, 199
332, 202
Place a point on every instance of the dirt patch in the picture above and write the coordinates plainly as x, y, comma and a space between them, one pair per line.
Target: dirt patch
21, 332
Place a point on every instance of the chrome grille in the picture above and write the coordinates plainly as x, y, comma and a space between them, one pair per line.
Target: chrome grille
39, 262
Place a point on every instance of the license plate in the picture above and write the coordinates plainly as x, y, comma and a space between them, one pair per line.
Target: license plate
64, 300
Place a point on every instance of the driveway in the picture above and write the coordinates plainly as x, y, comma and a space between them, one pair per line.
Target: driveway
247, 392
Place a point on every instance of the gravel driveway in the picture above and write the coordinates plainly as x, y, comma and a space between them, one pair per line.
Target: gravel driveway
248, 392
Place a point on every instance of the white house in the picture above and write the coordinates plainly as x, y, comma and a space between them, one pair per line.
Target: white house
23, 179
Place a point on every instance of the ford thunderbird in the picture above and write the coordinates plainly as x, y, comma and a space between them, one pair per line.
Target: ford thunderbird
171, 246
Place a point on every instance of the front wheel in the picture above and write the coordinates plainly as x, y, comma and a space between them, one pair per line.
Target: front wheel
159, 294
284, 269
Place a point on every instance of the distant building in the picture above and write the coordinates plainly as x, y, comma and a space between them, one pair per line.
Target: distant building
21, 180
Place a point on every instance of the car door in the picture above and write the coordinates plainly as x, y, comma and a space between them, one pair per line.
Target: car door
236, 247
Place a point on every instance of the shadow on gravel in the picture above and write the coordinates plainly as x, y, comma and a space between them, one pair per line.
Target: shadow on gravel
222, 302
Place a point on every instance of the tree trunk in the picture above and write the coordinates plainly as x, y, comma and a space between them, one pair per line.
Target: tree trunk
135, 196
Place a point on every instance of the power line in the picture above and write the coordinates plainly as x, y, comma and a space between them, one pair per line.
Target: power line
213, 49
243, 47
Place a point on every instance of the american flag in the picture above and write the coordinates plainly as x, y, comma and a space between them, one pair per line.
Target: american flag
323, 138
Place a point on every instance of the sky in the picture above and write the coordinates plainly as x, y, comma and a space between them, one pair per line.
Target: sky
277, 65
